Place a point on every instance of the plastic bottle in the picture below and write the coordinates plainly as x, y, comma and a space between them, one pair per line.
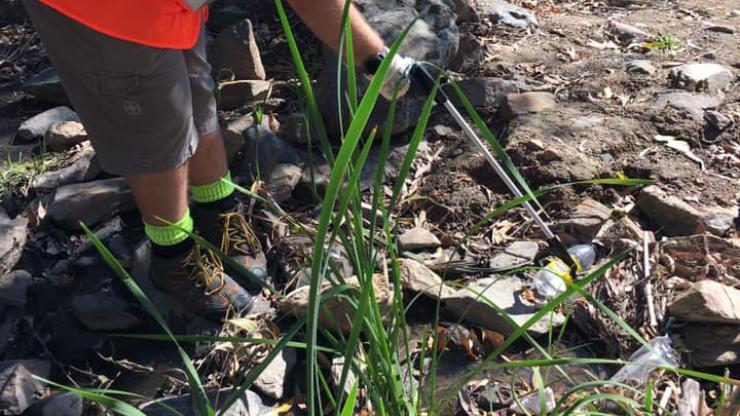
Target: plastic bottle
553, 279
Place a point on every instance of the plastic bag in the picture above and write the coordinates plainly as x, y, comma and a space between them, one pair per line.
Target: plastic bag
657, 352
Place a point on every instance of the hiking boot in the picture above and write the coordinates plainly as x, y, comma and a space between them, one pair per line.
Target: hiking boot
230, 231
198, 280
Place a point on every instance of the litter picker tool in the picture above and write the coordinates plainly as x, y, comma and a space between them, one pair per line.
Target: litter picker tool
424, 80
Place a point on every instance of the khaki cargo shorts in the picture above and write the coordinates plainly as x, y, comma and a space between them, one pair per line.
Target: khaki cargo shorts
143, 108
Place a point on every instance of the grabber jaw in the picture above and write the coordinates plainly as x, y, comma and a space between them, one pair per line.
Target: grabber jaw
559, 250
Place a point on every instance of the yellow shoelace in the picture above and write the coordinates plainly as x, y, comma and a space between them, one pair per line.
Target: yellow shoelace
206, 267
238, 234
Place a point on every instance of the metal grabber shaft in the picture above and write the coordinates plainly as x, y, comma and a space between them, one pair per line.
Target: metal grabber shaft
424, 80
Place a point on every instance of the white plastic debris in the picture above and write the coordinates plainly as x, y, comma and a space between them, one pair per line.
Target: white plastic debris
532, 405
658, 352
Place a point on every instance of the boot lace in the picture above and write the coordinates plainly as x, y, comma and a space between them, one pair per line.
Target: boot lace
205, 268
239, 235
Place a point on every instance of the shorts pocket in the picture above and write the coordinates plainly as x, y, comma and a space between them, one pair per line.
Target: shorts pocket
119, 85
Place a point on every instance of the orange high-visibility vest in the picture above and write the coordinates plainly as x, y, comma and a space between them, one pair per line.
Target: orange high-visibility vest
156, 23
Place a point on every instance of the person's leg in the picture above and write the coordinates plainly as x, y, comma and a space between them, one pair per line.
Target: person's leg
130, 99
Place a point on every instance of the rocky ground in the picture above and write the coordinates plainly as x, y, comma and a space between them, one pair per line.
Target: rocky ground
575, 90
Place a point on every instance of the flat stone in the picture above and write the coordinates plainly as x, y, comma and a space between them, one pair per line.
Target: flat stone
718, 120
501, 12
708, 301
418, 238
90, 203
233, 134
46, 86
586, 220
531, 404
708, 77
677, 217
103, 311
36, 126
12, 240
18, 389
465, 11
273, 380
694, 103
337, 312
640, 66
627, 33
705, 345
60, 404
417, 277
469, 55
721, 29
695, 254
234, 94
504, 292
527, 102
84, 167
65, 134
236, 53
13, 288
515, 255
337, 363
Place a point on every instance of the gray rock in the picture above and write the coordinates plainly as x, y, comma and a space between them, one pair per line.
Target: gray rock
707, 77
440, 130
90, 203
721, 29
640, 66
337, 363
293, 129
418, 238
466, 11
234, 94
103, 311
236, 53
433, 38
515, 255
61, 404
36, 126
12, 240
469, 55
501, 12
720, 121
233, 135
13, 288
709, 302
627, 33
65, 134
677, 217
272, 381
46, 86
18, 389
282, 180
505, 293
691, 102
491, 92
419, 278
586, 220
84, 167
527, 102
709, 345
247, 405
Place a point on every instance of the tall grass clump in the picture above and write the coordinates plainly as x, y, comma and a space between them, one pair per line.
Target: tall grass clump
377, 349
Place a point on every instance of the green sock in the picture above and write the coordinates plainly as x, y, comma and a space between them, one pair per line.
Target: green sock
214, 191
169, 235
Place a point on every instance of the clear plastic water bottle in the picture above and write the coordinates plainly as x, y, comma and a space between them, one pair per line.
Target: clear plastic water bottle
553, 279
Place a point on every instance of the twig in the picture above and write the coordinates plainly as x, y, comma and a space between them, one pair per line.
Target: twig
664, 399
649, 284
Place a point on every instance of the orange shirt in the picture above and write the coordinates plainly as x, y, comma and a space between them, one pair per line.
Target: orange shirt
156, 23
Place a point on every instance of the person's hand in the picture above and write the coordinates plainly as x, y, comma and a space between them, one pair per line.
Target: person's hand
397, 79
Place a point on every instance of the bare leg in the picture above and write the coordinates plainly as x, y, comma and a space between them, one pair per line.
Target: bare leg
161, 195
208, 164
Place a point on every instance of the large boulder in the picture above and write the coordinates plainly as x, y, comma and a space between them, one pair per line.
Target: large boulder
433, 38
37, 126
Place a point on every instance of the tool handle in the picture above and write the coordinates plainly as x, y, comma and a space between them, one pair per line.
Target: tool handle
422, 79
558, 248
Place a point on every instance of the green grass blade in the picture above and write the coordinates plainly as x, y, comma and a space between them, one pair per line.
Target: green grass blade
349, 405
110, 403
200, 399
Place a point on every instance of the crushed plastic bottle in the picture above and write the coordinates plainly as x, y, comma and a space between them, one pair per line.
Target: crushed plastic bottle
553, 279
